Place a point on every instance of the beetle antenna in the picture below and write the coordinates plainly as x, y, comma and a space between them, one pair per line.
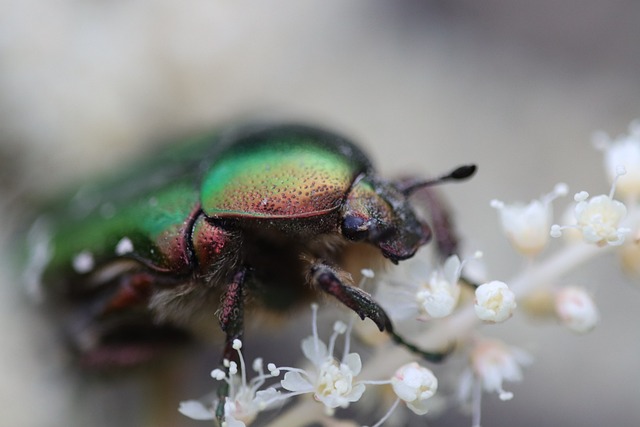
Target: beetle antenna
459, 173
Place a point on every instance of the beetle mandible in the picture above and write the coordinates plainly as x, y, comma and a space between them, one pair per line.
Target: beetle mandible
268, 211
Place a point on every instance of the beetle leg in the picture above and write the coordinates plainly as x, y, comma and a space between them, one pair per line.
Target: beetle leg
363, 304
231, 314
444, 229
108, 326
231, 317
329, 280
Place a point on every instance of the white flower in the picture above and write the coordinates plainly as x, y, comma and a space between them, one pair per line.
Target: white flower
244, 401
622, 151
494, 302
598, 219
331, 381
576, 309
439, 296
527, 226
414, 384
415, 289
492, 363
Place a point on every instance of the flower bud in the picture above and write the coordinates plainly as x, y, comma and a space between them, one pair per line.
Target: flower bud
414, 384
623, 151
494, 302
576, 309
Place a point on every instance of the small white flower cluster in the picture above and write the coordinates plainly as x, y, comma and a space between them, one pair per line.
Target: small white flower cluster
598, 219
331, 381
415, 291
245, 399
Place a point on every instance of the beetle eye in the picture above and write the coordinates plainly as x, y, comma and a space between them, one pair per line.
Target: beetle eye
354, 227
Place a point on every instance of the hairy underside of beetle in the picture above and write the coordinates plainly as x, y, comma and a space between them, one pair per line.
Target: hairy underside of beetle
127, 313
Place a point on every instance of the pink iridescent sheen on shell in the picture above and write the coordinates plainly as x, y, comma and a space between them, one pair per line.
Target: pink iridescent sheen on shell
279, 181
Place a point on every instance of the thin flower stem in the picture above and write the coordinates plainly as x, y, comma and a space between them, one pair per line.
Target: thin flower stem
347, 340
388, 414
477, 403
376, 382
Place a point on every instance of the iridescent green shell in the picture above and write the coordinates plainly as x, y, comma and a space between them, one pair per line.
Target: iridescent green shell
141, 213
291, 173
147, 212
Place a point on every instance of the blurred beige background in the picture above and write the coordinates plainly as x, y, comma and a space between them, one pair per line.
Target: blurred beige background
516, 86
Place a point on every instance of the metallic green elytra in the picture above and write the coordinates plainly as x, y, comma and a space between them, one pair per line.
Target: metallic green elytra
273, 212
283, 177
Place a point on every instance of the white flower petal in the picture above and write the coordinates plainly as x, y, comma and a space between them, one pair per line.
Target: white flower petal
293, 381
419, 407
451, 269
352, 360
230, 421
356, 393
314, 350
265, 397
195, 410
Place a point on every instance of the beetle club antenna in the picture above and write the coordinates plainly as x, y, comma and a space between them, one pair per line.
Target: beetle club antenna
459, 173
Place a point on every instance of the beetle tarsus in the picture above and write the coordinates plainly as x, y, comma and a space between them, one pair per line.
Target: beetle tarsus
223, 393
431, 356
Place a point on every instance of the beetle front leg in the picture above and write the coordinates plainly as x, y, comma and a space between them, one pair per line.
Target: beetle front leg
329, 280
363, 304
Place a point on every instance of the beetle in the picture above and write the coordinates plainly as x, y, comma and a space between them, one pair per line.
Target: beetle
260, 215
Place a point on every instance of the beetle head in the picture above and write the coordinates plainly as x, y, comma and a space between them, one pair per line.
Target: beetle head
377, 212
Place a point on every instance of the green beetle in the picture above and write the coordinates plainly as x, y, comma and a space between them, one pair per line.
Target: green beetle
267, 211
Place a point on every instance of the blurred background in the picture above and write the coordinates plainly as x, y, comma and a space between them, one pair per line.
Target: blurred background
515, 86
